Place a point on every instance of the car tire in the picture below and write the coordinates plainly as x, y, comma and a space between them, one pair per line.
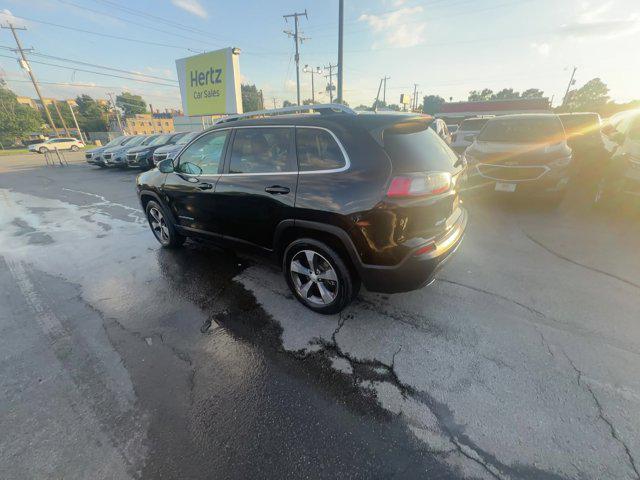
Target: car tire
74, 148
42, 150
162, 227
318, 277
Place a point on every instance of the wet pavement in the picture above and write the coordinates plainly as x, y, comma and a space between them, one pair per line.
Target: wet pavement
122, 360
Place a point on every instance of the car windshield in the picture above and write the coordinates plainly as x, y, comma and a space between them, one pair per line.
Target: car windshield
116, 141
135, 141
187, 138
544, 129
149, 140
159, 140
474, 125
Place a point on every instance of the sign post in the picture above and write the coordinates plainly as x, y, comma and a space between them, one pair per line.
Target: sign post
210, 83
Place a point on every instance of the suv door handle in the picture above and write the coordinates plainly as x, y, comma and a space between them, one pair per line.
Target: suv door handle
205, 186
277, 190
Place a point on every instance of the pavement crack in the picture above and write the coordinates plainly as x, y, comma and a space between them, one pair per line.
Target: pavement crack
588, 267
602, 416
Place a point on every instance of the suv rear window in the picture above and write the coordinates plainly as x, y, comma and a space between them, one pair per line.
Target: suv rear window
523, 130
581, 123
261, 150
317, 150
474, 125
414, 147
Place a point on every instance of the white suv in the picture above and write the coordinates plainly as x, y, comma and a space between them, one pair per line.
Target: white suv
63, 143
467, 132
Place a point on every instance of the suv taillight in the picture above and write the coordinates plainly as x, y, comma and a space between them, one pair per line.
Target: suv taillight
420, 185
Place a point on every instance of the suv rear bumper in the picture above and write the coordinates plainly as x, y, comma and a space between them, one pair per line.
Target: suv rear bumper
415, 271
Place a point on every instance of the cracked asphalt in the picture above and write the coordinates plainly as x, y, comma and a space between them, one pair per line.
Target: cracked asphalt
122, 360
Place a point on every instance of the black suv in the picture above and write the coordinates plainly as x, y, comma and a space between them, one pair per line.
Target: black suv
142, 156
336, 198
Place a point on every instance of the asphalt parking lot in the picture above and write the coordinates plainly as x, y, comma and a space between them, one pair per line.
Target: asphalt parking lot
122, 360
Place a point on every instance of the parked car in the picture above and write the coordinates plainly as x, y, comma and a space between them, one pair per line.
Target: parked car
336, 199
170, 151
621, 174
441, 129
523, 154
467, 132
94, 156
585, 138
61, 143
117, 156
142, 155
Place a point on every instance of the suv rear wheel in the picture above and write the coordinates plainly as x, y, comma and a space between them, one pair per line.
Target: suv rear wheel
161, 226
318, 276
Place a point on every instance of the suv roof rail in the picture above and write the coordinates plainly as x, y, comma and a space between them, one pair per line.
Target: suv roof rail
322, 108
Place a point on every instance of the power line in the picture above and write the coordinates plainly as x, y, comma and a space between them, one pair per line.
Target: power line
97, 73
151, 27
95, 65
106, 35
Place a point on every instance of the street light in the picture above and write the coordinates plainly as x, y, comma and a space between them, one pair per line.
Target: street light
317, 71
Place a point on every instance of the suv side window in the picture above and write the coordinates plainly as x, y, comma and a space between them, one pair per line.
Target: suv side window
205, 153
317, 150
261, 150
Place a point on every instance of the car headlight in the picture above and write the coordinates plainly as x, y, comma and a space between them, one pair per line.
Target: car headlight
561, 162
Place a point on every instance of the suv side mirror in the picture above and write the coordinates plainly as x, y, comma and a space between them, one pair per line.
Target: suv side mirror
166, 165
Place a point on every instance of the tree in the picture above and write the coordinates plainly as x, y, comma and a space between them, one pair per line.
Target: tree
16, 120
251, 99
308, 101
364, 108
287, 103
480, 96
532, 93
431, 104
91, 116
64, 111
506, 94
592, 96
131, 104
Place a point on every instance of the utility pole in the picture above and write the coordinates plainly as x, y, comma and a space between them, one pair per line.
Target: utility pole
274, 103
571, 82
330, 76
384, 92
340, 45
64, 124
317, 71
297, 40
113, 105
415, 97
261, 100
375, 105
75, 120
24, 63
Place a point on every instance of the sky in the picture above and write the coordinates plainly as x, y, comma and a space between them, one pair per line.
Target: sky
446, 47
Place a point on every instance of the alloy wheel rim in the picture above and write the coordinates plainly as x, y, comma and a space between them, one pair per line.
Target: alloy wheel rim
158, 225
314, 278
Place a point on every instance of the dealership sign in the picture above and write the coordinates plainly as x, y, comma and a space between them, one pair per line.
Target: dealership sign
210, 83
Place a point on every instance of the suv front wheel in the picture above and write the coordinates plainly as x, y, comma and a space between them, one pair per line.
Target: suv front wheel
161, 226
318, 276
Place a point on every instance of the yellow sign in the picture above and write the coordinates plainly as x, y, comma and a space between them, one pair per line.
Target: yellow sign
209, 83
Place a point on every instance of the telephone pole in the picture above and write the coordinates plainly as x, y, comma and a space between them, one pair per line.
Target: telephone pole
414, 105
297, 40
317, 71
571, 82
75, 120
113, 104
384, 91
375, 104
340, 44
330, 76
64, 124
24, 63
274, 103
